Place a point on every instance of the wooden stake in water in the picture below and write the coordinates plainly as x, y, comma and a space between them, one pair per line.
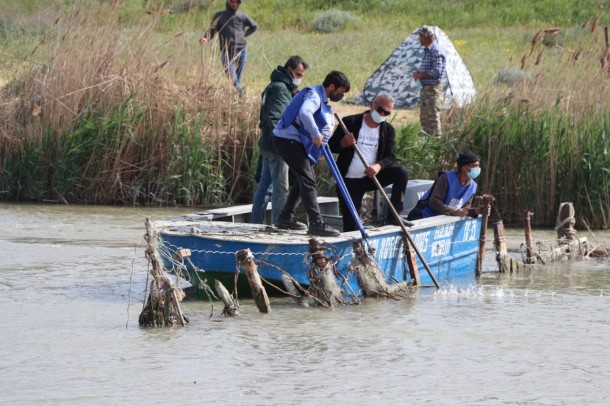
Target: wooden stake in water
162, 309
259, 294
231, 308
527, 225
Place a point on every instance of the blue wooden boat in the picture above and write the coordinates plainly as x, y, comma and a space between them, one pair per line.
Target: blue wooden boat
449, 245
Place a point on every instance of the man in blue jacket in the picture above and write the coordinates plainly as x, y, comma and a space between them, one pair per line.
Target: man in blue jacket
453, 191
276, 97
304, 127
232, 27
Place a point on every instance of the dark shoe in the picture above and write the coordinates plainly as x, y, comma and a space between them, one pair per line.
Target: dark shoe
392, 221
322, 229
289, 224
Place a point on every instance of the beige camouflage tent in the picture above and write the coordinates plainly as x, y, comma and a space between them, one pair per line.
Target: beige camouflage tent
395, 75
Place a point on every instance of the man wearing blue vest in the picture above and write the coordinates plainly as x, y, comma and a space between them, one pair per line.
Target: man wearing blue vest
304, 127
453, 191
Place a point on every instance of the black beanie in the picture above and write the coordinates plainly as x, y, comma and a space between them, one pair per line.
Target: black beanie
467, 157
229, 5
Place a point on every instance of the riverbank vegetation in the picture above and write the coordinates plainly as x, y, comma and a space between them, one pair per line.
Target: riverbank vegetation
115, 102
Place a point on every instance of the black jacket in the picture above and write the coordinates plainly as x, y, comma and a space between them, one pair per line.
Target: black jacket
385, 151
275, 99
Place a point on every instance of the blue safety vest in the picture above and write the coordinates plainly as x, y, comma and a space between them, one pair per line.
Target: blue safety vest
322, 117
457, 195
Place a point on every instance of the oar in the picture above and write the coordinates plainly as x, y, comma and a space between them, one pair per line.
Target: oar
391, 207
343, 189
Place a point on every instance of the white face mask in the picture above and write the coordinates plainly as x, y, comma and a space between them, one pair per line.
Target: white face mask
296, 81
378, 118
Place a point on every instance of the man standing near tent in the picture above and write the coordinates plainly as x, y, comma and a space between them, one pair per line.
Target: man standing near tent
304, 127
375, 138
276, 97
232, 27
430, 75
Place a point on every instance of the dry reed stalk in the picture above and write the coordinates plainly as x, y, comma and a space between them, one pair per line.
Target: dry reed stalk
524, 61
576, 55
536, 40
595, 24
539, 57
552, 31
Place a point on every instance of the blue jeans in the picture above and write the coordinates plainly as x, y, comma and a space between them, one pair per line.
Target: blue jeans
259, 203
274, 173
233, 63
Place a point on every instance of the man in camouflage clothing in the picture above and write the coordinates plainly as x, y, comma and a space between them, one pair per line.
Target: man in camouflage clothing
430, 75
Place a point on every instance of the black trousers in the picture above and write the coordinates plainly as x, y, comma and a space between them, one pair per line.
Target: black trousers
304, 187
398, 176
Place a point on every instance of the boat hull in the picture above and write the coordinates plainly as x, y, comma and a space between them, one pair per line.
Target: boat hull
449, 245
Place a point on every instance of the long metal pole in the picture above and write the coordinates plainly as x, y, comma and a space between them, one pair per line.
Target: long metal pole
391, 208
343, 189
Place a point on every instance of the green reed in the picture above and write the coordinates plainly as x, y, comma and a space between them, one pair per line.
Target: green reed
143, 119
535, 160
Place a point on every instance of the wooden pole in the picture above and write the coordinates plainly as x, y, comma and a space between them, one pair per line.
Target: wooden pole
322, 277
407, 249
527, 224
371, 278
483, 235
231, 309
565, 221
391, 208
246, 260
163, 306
499, 237
294, 293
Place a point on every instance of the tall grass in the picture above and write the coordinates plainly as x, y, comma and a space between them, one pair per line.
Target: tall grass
119, 104
546, 139
137, 118
397, 14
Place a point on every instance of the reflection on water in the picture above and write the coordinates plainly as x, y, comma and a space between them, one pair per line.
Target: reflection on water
68, 275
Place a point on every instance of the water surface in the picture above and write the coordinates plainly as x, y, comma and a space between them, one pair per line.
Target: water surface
71, 289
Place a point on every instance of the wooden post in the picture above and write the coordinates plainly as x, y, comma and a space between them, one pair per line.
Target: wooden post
371, 278
499, 237
565, 221
294, 293
407, 252
163, 306
527, 224
246, 260
322, 277
483, 235
231, 308
500, 242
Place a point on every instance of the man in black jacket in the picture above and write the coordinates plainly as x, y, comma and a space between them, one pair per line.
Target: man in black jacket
375, 138
275, 98
232, 27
